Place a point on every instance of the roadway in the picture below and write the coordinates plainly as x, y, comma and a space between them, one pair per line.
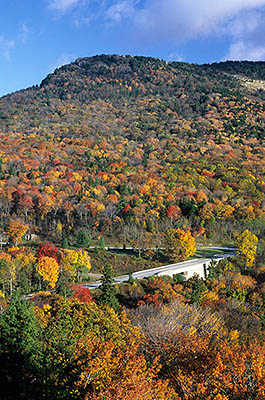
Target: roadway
188, 268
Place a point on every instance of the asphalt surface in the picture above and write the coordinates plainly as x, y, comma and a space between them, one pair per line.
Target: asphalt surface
168, 268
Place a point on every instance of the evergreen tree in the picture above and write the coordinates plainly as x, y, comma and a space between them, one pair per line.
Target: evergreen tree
212, 271
19, 349
178, 278
108, 295
131, 279
197, 286
64, 285
83, 240
65, 244
102, 243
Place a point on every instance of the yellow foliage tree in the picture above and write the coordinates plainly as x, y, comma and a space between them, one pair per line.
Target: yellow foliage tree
245, 213
223, 211
206, 212
83, 259
48, 268
16, 229
68, 259
59, 227
23, 258
7, 272
246, 247
179, 245
75, 261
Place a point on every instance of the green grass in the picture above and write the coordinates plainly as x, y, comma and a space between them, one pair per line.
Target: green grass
124, 262
121, 262
206, 253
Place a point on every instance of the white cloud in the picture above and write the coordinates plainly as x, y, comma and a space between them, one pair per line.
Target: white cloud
183, 19
247, 37
63, 5
5, 47
174, 57
24, 33
63, 59
245, 51
244, 24
180, 20
177, 21
120, 10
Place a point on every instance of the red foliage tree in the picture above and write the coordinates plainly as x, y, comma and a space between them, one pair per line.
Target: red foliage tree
82, 294
48, 249
173, 211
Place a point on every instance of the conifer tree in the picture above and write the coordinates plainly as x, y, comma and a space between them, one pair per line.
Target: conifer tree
19, 348
64, 285
65, 244
108, 295
102, 243
83, 239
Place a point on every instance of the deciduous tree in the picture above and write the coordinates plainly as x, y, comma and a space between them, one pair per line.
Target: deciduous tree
246, 247
179, 244
16, 229
48, 249
48, 268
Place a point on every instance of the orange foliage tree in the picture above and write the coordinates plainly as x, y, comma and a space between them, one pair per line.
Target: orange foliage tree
235, 372
97, 353
199, 356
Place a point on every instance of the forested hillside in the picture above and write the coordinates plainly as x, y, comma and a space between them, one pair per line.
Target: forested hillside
111, 140
156, 158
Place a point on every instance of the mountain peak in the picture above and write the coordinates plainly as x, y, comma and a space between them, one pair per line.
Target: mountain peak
158, 96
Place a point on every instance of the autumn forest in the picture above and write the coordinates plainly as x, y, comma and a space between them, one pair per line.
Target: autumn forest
159, 161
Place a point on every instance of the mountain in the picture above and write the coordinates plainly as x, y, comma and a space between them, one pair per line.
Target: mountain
111, 141
79, 95
136, 153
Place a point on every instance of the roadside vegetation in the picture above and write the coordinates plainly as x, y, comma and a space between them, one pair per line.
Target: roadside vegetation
158, 160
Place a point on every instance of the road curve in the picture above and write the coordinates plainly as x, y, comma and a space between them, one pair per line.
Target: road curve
169, 269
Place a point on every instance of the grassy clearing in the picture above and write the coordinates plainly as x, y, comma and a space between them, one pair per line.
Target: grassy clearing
125, 262
207, 253
122, 263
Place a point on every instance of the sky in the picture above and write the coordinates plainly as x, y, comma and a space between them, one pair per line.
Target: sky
37, 36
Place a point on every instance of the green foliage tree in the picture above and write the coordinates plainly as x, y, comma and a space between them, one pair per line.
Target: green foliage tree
83, 240
212, 270
197, 286
102, 243
131, 279
19, 349
4, 275
108, 295
65, 244
64, 285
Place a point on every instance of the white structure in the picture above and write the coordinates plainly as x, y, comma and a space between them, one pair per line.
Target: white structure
185, 268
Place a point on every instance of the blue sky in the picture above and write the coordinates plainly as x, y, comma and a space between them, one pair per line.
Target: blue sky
36, 36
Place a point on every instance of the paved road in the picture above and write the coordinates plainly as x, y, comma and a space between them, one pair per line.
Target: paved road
168, 269
160, 248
